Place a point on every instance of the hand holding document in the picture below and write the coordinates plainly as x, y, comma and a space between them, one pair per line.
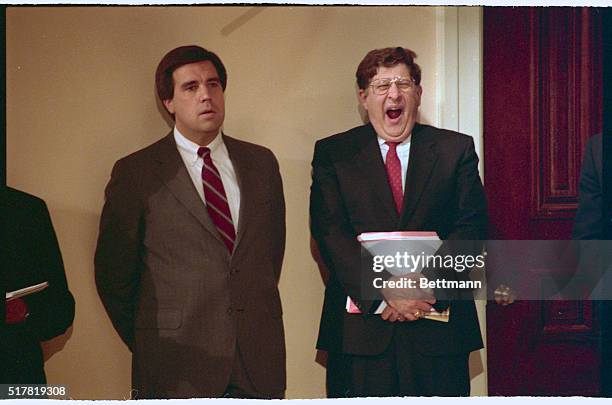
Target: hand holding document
434, 315
407, 298
423, 243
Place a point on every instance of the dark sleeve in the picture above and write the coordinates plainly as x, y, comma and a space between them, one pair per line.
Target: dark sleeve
594, 256
589, 218
470, 221
117, 258
51, 310
3, 292
331, 229
278, 224
471, 218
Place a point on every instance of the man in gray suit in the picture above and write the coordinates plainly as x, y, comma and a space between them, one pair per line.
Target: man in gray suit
191, 243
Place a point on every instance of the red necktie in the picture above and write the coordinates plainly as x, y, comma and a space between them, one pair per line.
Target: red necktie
216, 200
394, 175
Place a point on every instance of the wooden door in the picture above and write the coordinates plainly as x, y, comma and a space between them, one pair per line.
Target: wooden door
542, 100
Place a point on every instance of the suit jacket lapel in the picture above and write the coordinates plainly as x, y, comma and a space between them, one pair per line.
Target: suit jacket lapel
423, 158
247, 190
372, 168
172, 172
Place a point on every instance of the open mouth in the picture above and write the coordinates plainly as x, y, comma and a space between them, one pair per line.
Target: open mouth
394, 113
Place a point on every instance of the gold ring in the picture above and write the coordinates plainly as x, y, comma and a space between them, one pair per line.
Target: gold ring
417, 314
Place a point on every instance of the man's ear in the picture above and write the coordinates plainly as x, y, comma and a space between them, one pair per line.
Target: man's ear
419, 93
363, 96
169, 106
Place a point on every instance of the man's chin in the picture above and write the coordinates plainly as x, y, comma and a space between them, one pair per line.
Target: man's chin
395, 137
209, 129
397, 132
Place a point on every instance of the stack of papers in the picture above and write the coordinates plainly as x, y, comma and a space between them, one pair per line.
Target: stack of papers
12, 295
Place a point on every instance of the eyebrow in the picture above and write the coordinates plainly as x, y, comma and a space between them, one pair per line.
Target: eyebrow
189, 84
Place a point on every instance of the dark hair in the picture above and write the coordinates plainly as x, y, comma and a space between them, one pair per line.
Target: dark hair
386, 57
178, 57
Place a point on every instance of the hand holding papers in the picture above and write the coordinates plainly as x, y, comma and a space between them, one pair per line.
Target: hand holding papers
432, 314
407, 296
412, 302
16, 307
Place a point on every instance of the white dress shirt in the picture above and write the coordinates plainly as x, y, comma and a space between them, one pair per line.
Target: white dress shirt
221, 160
403, 152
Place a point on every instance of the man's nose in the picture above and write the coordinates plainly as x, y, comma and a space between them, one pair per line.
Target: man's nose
203, 93
394, 91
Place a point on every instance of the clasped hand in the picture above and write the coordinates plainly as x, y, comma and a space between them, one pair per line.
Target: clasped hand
407, 303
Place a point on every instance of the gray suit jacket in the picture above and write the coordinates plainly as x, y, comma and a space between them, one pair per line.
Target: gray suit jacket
173, 292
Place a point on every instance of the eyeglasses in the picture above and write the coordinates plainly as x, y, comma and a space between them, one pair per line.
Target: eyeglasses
381, 87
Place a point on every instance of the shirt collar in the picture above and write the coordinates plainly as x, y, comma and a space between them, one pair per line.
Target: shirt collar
191, 148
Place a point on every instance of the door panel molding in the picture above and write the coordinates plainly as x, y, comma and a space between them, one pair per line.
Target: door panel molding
565, 106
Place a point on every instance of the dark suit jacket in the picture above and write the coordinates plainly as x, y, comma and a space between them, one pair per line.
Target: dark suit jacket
174, 294
350, 195
589, 226
589, 218
30, 255
596, 257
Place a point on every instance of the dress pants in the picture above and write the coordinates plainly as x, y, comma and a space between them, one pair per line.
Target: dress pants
605, 342
240, 385
401, 370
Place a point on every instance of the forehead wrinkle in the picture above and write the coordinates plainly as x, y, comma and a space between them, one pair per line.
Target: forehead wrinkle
393, 70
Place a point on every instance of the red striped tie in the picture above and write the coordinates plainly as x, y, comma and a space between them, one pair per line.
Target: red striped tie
394, 175
216, 200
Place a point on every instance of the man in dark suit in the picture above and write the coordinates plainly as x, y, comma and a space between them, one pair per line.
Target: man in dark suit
594, 272
589, 224
191, 243
589, 227
30, 255
388, 175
